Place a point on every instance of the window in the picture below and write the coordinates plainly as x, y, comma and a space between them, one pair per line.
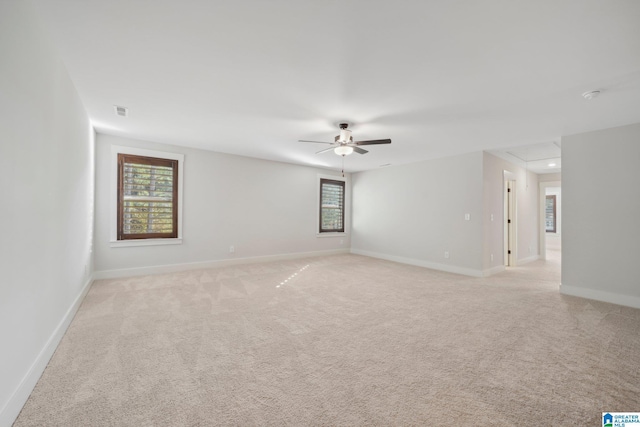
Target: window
147, 197
331, 206
550, 214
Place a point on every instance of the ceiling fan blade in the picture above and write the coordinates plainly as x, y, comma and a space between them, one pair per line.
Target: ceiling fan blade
360, 150
315, 142
325, 150
372, 142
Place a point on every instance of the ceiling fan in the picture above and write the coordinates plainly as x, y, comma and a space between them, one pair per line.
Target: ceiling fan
344, 143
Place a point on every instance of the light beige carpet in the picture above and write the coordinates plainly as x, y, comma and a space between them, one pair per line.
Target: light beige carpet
342, 340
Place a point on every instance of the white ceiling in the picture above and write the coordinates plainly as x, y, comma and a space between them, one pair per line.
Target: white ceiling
541, 158
437, 77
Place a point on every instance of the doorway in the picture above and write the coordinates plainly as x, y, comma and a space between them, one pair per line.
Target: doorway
550, 219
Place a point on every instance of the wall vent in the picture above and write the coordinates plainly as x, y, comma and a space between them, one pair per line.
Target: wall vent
121, 111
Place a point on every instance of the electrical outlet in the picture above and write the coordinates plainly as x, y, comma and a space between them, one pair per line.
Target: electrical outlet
446, 254
530, 250
232, 249
342, 241
491, 257
467, 217
491, 217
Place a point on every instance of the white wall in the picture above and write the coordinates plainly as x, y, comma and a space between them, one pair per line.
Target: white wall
46, 159
262, 208
549, 177
526, 212
601, 205
414, 213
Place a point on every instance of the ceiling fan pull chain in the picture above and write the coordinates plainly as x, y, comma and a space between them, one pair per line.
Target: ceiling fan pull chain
343, 165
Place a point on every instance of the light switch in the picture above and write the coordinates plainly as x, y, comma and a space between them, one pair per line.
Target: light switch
467, 217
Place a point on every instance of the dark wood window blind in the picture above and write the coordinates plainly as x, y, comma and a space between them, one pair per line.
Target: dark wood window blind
331, 205
147, 197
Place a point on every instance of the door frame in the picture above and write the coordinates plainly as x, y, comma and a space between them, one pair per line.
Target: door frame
510, 241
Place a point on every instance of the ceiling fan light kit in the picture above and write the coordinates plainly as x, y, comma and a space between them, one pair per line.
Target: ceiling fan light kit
343, 150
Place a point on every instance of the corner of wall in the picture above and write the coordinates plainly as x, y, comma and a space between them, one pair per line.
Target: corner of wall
14, 405
599, 295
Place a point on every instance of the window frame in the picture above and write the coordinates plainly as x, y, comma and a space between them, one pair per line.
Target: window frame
149, 161
115, 195
343, 183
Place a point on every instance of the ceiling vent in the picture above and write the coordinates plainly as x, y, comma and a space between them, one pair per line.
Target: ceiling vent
121, 111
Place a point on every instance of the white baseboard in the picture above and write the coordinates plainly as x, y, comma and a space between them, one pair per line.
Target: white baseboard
528, 259
420, 263
493, 270
173, 268
604, 296
14, 405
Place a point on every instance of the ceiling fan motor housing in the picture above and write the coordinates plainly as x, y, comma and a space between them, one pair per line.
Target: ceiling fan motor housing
339, 138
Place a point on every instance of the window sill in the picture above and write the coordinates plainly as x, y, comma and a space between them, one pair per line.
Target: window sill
144, 242
332, 234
